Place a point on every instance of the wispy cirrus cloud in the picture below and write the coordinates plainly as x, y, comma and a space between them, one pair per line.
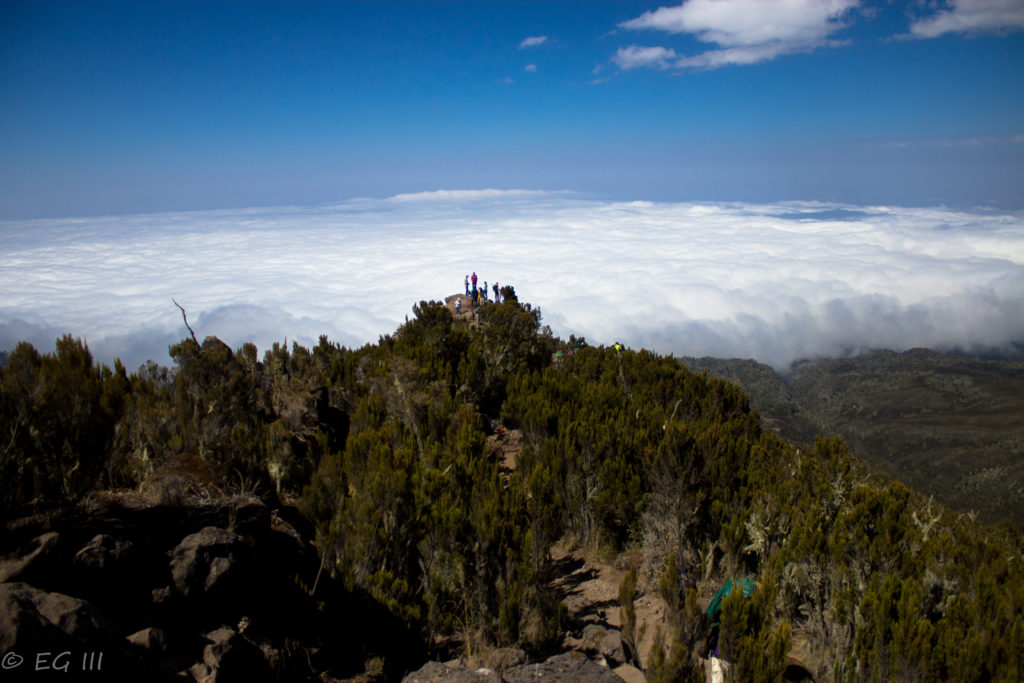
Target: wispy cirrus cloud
775, 282
960, 142
747, 31
532, 41
970, 17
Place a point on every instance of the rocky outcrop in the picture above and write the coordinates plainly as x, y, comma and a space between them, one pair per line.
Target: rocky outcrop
452, 672
211, 591
569, 667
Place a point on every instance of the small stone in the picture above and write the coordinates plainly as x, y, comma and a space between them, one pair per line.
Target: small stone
152, 639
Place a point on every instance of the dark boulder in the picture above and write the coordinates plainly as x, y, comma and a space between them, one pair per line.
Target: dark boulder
151, 640
206, 562
230, 656
47, 636
102, 553
32, 619
37, 561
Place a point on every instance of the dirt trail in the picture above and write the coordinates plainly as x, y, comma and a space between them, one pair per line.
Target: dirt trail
504, 447
466, 313
591, 593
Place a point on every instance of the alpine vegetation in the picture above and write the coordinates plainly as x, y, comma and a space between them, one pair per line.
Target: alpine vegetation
433, 481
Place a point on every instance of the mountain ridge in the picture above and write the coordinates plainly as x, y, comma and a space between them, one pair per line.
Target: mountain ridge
946, 424
381, 460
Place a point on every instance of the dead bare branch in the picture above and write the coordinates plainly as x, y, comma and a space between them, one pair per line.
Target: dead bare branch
185, 318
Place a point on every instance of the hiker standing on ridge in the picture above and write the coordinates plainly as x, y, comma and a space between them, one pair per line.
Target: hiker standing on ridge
467, 285
473, 280
458, 306
497, 296
485, 290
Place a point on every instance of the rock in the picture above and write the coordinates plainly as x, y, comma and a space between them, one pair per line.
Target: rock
162, 596
430, 672
163, 654
604, 642
37, 560
200, 673
451, 672
230, 656
222, 570
630, 674
150, 639
503, 658
102, 553
205, 560
271, 654
34, 620
570, 666
592, 637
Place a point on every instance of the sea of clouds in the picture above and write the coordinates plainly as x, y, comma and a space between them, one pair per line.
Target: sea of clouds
774, 282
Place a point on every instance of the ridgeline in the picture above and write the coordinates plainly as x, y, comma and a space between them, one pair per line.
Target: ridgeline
947, 425
330, 513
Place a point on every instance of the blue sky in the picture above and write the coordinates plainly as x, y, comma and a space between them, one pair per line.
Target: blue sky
125, 107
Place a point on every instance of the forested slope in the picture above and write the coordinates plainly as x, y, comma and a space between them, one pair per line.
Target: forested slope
384, 450
945, 424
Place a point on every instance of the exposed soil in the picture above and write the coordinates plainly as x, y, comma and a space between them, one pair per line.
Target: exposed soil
591, 593
504, 447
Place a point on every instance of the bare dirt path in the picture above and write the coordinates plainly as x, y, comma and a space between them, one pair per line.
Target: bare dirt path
591, 593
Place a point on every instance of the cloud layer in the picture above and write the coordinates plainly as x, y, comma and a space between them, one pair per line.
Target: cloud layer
774, 282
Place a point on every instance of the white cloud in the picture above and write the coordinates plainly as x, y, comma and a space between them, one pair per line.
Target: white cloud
532, 41
772, 282
959, 142
449, 195
749, 31
971, 16
635, 56
530, 68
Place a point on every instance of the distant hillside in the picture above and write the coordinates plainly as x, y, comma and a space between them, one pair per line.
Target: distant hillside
947, 425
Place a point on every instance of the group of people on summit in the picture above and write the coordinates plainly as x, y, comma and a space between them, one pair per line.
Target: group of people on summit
477, 293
